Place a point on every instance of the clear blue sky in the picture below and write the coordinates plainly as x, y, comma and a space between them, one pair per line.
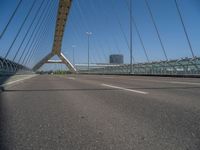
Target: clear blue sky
100, 17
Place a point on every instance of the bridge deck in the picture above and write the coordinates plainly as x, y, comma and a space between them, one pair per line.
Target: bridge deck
101, 112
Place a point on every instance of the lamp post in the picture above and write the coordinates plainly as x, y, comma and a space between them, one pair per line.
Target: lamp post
131, 36
89, 34
73, 51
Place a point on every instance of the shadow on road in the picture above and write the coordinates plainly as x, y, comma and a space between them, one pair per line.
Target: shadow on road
2, 125
103, 89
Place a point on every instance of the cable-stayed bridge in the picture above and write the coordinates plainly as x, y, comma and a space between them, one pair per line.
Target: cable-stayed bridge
99, 74
31, 36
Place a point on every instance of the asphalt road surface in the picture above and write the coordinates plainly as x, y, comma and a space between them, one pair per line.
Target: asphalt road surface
88, 112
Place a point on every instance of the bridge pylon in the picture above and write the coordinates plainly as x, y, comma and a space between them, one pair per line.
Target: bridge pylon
63, 60
63, 11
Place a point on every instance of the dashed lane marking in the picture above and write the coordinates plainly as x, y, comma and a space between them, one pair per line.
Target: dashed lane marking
125, 89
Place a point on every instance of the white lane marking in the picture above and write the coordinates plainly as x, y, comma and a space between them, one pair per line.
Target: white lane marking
12, 82
189, 83
71, 78
125, 89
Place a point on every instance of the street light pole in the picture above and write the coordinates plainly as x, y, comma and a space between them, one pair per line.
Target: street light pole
89, 34
73, 46
131, 36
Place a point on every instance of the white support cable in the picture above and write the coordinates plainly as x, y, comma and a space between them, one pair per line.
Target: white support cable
11, 18
156, 28
28, 30
37, 33
42, 34
139, 35
20, 29
86, 27
105, 40
106, 22
32, 35
184, 28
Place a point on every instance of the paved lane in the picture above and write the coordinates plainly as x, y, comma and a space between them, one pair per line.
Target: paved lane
80, 112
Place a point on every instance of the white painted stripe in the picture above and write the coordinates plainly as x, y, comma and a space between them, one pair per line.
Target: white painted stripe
12, 82
125, 89
188, 83
71, 78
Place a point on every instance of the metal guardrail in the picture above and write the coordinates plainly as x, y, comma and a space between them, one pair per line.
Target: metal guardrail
186, 66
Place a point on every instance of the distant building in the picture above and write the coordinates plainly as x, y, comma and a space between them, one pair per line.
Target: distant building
116, 59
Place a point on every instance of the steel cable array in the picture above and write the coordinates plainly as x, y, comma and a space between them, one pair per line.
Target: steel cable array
28, 30
34, 33
42, 35
21, 27
11, 18
156, 28
184, 28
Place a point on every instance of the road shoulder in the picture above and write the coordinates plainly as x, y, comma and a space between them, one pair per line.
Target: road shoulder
13, 80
